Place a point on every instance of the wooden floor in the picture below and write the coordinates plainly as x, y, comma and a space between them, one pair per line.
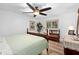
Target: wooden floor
54, 49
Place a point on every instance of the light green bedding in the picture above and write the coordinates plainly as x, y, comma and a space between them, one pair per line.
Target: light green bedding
26, 44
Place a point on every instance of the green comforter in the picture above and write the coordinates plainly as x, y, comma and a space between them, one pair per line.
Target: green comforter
26, 44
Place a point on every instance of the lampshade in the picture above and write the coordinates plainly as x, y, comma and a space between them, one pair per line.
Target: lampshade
71, 28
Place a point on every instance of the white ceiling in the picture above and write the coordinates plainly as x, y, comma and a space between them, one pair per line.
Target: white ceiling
57, 8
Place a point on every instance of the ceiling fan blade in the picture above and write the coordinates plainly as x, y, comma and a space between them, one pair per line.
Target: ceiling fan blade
27, 12
43, 14
31, 6
45, 9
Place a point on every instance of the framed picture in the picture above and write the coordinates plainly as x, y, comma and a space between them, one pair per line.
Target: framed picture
39, 27
52, 24
48, 24
32, 25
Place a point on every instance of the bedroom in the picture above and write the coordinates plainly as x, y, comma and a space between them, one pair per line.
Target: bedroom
14, 22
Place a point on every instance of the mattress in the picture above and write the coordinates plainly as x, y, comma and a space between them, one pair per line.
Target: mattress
26, 44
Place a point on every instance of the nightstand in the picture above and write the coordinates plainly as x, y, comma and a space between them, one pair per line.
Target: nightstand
71, 46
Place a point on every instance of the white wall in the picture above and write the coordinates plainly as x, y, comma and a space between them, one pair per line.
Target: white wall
15, 23
12, 23
66, 20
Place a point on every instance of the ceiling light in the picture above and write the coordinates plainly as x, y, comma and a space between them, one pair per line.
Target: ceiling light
36, 12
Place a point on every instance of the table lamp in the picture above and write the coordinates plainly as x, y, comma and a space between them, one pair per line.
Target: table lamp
71, 30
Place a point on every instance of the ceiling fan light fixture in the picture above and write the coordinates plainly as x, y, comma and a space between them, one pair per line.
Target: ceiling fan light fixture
36, 13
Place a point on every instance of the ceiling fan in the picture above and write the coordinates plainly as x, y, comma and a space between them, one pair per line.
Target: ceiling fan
36, 11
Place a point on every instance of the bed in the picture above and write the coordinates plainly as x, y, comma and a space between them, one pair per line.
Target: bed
25, 44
